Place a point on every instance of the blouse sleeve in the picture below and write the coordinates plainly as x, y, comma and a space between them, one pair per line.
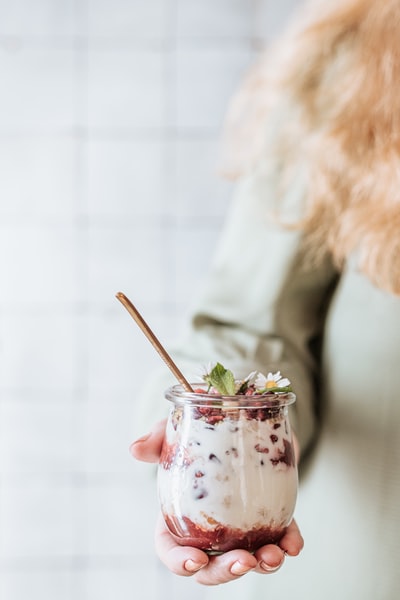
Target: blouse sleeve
261, 307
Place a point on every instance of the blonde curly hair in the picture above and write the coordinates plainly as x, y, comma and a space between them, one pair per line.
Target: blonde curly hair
340, 73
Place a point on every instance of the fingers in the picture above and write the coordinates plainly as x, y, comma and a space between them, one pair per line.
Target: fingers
292, 542
215, 570
148, 447
207, 570
181, 560
226, 567
270, 558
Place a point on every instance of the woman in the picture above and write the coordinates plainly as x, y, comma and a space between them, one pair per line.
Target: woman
307, 280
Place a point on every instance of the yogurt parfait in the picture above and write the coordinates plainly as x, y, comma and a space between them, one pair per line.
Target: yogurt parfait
227, 476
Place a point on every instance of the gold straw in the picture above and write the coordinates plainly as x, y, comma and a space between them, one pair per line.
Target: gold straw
153, 340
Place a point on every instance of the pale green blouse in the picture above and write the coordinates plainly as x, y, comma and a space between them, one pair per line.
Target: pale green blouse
337, 338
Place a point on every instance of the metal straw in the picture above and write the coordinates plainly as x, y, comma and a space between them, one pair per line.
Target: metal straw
153, 340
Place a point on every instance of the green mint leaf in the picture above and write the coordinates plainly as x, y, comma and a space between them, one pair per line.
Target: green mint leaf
222, 380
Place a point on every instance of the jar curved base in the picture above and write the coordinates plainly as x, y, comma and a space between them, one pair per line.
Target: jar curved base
221, 539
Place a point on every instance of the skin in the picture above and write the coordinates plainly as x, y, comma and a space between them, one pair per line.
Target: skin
212, 570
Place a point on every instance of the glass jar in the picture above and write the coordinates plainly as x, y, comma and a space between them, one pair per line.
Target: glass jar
227, 476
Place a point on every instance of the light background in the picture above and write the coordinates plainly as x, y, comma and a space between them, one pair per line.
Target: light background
110, 115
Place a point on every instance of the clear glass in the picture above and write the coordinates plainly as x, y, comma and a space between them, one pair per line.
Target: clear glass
227, 476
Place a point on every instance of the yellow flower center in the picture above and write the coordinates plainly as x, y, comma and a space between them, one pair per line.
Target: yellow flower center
271, 384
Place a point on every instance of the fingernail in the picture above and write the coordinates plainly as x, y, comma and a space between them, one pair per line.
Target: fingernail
269, 568
238, 569
141, 439
192, 566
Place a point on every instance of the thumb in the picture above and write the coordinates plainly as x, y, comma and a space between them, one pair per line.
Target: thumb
148, 447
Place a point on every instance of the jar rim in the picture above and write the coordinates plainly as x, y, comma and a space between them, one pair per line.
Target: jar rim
179, 395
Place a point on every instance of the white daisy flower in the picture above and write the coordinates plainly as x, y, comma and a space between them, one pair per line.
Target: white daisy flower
272, 380
260, 382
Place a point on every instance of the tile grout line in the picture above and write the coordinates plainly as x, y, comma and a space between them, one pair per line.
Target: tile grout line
82, 340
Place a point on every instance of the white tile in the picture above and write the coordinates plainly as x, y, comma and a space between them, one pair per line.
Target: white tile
47, 17
39, 437
128, 178
121, 518
195, 249
201, 191
206, 80
39, 177
38, 89
112, 424
109, 432
181, 588
141, 581
40, 264
128, 259
125, 89
215, 18
36, 585
119, 355
41, 520
38, 352
127, 18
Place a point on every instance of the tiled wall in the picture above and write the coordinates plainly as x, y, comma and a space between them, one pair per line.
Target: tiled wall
110, 112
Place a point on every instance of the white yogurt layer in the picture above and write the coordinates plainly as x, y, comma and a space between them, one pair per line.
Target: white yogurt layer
233, 474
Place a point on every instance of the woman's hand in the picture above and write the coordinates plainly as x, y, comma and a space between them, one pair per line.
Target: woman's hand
211, 570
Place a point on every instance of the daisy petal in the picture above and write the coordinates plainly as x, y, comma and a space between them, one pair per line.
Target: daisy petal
261, 381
